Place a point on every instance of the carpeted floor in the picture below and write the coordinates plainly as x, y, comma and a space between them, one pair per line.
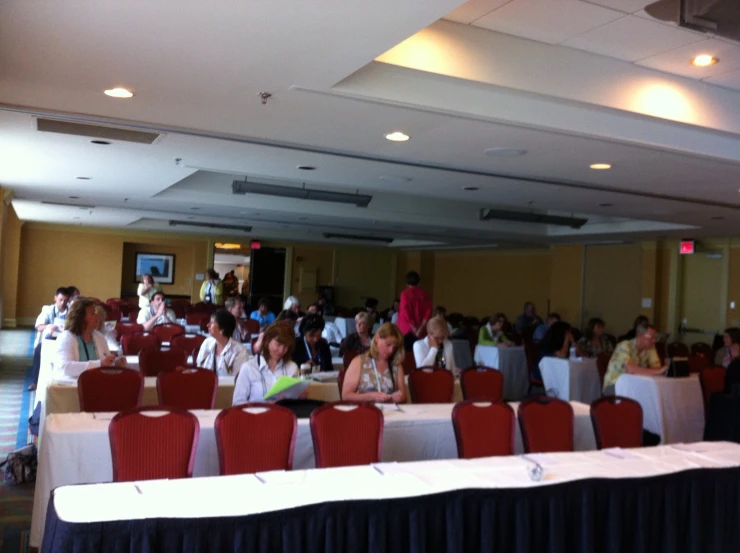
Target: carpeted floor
16, 350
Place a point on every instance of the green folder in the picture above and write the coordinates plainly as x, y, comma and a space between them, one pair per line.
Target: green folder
287, 388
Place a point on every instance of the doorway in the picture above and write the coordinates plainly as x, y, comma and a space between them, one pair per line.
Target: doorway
703, 305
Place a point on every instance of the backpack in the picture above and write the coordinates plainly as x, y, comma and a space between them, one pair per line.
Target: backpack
20, 465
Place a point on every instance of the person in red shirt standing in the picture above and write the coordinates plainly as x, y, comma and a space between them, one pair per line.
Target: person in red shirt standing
414, 312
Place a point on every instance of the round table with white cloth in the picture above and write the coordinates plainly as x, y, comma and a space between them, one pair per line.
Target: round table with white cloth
571, 379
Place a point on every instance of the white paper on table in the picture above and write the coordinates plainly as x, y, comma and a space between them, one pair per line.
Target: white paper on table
620, 453
540, 458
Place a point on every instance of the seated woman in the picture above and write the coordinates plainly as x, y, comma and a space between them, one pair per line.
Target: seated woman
110, 335
146, 290
492, 333
556, 343
273, 361
81, 347
594, 341
220, 352
724, 356
435, 350
359, 341
310, 347
285, 317
377, 374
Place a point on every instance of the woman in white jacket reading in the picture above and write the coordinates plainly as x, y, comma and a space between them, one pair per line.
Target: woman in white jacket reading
435, 350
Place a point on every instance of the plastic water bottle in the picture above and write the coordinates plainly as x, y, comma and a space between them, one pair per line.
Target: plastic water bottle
572, 352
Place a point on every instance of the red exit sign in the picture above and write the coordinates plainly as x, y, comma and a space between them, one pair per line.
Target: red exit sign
687, 247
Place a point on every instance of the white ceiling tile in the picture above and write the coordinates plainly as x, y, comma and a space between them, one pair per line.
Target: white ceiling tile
678, 61
632, 38
549, 21
626, 6
474, 9
729, 80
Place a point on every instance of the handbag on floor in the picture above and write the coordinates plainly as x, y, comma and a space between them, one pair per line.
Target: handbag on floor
20, 465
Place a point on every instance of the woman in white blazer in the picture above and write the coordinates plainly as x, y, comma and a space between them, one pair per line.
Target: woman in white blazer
81, 347
435, 350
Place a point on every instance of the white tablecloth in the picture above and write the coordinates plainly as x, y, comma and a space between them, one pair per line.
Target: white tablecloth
571, 379
278, 490
77, 449
512, 363
462, 353
672, 407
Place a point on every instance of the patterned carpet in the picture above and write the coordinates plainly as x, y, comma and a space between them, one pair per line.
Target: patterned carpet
16, 350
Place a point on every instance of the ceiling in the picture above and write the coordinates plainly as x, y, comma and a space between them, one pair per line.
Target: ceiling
571, 83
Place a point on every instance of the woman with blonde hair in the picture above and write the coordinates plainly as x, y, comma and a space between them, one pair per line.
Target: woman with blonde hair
259, 374
435, 350
377, 375
146, 290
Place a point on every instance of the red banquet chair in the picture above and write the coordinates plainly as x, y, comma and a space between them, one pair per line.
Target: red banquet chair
431, 385
188, 342
255, 437
139, 440
127, 328
546, 424
349, 356
109, 389
483, 430
346, 434
698, 363
617, 422
602, 365
167, 331
408, 363
482, 383
180, 308
154, 361
190, 388
197, 318
132, 343
253, 326
712, 380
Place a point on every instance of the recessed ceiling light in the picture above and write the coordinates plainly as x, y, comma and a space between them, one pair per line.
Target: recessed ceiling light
73, 197
100, 142
397, 136
118, 93
704, 60
600, 166
605, 205
470, 188
82, 178
505, 152
306, 168
394, 178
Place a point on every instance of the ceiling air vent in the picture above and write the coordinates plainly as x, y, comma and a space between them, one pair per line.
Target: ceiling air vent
537, 218
95, 131
719, 17
62, 204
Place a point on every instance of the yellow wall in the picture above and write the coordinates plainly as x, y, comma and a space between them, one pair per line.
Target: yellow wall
566, 282
11, 245
483, 282
185, 268
361, 273
311, 258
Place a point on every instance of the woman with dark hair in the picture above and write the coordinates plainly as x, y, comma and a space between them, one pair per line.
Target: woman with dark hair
377, 375
594, 341
556, 343
414, 311
212, 289
262, 371
310, 347
220, 352
81, 347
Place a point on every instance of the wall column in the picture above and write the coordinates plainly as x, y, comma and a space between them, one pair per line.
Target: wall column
566, 284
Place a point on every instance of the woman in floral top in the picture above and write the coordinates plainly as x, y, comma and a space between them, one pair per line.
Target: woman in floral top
594, 341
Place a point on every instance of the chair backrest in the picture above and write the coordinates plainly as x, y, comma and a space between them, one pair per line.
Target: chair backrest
532, 353
127, 328
697, 363
660, 349
702, 348
168, 331
188, 342
431, 385
109, 389
258, 441
191, 388
617, 422
546, 424
253, 326
145, 447
344, 437
677, 349
154, 361
197, 317
180, 308
712, 381
340, 381
349, 356
133, 342
409, 362
602, 365
482, 383
483, 430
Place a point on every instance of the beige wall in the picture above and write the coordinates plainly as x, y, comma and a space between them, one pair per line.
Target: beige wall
11, 245
311, 258
566, 282
364, 272
483, 282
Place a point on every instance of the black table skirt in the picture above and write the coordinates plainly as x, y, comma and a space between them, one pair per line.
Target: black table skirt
695, 511
723, 419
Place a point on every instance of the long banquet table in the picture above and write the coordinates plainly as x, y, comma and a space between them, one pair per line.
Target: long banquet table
659, 500
77, 449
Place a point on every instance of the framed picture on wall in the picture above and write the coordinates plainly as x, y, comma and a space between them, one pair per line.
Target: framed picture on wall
160, 265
